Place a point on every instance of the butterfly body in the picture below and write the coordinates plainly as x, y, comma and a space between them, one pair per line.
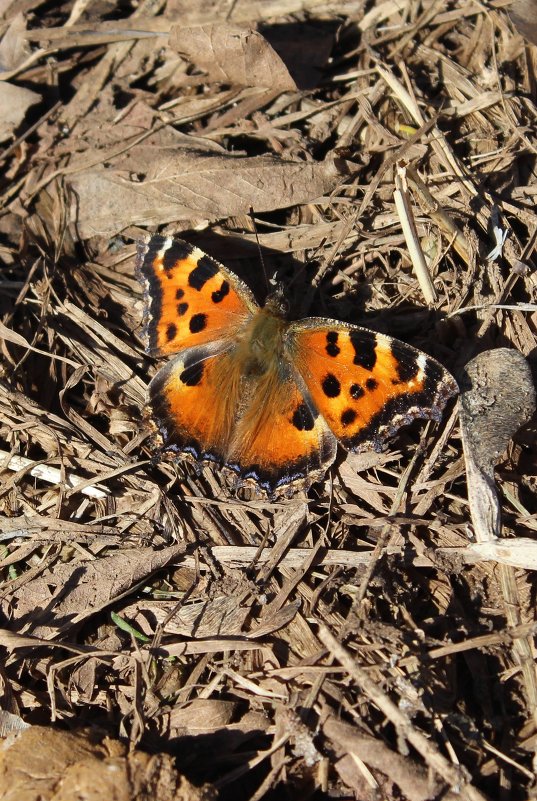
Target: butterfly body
261, 396
260, 345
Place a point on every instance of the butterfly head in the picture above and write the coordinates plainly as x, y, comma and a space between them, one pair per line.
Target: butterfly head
276, 302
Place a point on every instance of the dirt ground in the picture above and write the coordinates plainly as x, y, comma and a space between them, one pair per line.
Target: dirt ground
373, 637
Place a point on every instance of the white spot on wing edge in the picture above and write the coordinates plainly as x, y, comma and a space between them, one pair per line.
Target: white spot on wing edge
166, 245
198, 254
383, 343
422, 364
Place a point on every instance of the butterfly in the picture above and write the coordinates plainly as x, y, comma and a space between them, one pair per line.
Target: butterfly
263, 397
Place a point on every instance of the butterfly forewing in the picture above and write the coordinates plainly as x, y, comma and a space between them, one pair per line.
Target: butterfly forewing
191, 299
366, 385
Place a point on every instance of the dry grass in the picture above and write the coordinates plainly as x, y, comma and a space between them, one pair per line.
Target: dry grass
344, 644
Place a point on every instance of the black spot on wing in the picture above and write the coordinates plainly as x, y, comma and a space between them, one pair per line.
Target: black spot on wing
179, 293
332, 348
356, 391
371, 384
348, 417
197, 323
171, 332
192, 374
303, 419
331, 386
182, 309
177, 251
364, 343
219, 294
205, 269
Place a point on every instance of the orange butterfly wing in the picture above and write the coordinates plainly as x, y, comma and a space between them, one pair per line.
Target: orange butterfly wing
366, 385
263, 428
190, 298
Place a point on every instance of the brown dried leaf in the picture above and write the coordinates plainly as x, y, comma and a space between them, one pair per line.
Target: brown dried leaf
524, 15
184, 185
69, 593
223, 616
14, 48
203, 715
356, 748
232, 55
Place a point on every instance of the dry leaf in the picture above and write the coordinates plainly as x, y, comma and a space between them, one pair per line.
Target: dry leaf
186, 185
14, 48
497, 397
68, 593
223, 616
203, 715
232, 55
524, 15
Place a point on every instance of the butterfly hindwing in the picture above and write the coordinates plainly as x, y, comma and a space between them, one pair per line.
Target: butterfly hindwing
264, 429
191, 414
190, 298
366, 385
281, 441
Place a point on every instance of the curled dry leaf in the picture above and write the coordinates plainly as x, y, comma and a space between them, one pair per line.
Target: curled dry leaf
223, 616
202, 715
360, 755
497, 397
232, 55
211, 727
59, 766
14, 47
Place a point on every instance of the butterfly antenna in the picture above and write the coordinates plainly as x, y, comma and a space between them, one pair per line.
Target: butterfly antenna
302, 268
261, 259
